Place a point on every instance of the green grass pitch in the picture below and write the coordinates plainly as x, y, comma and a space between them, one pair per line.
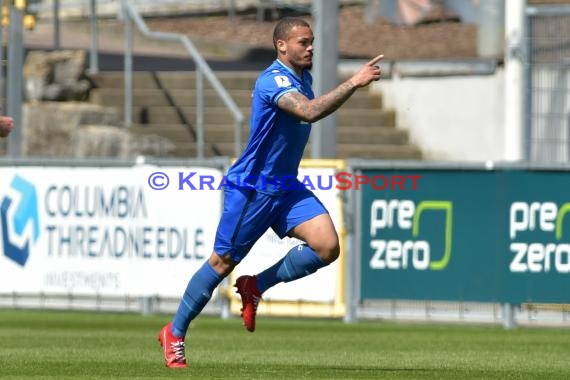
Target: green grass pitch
77, 345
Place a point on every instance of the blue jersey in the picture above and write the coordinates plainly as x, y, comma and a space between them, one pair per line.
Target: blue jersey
277, 139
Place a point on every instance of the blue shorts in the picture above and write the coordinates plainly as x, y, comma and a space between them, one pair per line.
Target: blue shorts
248, 214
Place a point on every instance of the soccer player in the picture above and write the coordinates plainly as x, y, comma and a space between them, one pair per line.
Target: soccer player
6, 125
283, 108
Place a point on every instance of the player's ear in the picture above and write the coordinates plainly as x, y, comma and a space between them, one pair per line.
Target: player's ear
282, 47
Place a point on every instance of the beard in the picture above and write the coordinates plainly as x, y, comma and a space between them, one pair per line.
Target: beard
305, 63
307, 66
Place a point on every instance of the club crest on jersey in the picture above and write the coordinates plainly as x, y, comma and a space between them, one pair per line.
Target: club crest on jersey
282, 81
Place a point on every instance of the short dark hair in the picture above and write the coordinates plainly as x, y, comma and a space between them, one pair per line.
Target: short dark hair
284, 26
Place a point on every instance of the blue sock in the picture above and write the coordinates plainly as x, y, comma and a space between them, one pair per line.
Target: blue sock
196, 296
299, 262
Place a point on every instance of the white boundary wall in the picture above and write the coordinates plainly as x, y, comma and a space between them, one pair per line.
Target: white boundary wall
454, 118
453, 111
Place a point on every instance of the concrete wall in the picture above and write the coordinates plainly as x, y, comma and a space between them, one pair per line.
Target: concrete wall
455, 117
450, 118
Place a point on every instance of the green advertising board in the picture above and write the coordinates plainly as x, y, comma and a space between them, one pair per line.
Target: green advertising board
465, 235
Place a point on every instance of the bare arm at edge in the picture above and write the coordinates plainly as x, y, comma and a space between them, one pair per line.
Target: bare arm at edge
6, 125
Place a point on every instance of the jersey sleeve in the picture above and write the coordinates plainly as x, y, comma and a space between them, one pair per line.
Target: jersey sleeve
274, 85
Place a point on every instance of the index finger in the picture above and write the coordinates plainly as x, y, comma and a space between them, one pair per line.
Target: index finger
375, 60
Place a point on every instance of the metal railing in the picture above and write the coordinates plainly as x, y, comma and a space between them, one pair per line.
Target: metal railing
547, 74
130, 14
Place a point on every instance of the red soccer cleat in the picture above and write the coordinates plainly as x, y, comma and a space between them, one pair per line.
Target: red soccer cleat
250, 297
173, 347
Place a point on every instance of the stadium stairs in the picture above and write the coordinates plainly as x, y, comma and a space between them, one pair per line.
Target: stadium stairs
164, 104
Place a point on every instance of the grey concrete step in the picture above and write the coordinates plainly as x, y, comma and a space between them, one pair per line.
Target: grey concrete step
175, 79
164, 104
181, 133
187, 97
379, 151
179, 79
368, 135
219, 115
225, 134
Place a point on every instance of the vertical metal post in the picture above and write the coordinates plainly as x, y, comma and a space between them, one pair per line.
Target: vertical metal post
93, 57
526, 86
568, 137
514, 80
148, 305
237, 137
2, 63
371, 11
199, 113
491, 28
354, 258
325, 58
509, 316
223, 293
128, 66
232, 10
260, 10
352, 239
15, 76
56, 26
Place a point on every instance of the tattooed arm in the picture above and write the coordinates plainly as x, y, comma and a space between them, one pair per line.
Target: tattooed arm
318, 108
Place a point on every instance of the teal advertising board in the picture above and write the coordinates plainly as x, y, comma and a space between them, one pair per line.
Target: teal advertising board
465, 235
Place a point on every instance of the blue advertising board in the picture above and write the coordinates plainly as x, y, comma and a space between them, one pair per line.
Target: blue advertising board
466, 235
